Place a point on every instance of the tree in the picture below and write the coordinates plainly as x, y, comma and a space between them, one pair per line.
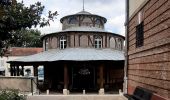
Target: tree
10, 94
17, 17
27, 38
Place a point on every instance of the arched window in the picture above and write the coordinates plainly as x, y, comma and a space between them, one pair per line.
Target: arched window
112, 43
98, 21
72, 20
98, 42
63, 42
119, 44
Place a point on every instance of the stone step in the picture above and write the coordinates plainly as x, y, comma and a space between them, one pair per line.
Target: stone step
76, 97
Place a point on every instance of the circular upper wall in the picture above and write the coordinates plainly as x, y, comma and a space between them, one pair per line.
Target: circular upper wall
83, 30
83, 19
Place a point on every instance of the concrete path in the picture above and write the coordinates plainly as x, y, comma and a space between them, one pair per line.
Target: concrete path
76, 97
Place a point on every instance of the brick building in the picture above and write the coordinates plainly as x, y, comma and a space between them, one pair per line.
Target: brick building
148, 46
80, 56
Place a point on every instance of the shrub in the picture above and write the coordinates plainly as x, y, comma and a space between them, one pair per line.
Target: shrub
11, 95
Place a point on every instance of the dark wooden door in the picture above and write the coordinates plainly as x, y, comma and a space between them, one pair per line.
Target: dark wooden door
83, 78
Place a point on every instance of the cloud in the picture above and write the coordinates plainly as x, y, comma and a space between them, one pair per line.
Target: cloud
95, 1
113, 10
117, 24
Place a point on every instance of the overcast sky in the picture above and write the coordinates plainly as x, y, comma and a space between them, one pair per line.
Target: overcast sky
112, 10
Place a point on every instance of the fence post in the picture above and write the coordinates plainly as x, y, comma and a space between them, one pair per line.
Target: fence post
32, 86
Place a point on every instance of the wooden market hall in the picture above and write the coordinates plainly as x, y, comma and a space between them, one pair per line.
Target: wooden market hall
83, 55
76, 75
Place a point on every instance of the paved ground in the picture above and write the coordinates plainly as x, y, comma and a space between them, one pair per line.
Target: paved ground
76, 97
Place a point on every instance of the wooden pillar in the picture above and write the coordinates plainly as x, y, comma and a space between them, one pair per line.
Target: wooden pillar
14, 69
11, 70
22, 70
35, 70
17, 70
65, 76
101, 76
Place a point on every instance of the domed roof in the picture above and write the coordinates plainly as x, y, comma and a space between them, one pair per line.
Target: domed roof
84, 12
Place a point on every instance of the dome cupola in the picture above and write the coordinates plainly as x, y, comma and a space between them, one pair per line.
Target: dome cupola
83, 19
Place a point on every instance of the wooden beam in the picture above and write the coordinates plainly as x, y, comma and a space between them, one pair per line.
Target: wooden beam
11, 70
22, 70
14, 69
36, 74
17, 70
65, 76
35, 70
101, 75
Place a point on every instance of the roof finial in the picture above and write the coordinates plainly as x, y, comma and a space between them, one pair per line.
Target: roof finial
83, 5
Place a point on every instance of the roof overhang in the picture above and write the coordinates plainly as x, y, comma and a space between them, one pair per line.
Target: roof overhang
83, 29
81, 14
73, 54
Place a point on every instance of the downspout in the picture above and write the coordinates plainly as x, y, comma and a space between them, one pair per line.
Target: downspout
126, 48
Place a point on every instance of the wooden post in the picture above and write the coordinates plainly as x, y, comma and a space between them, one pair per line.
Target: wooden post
17, 70
11, 70
22, 70
35, 71
14, 69
101, 75
35, 67
65, 76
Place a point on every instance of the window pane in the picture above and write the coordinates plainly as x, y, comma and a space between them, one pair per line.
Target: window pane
63, 42
98, 42
139, 35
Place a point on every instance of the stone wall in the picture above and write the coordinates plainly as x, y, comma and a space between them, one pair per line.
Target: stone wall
149, 65
23, 84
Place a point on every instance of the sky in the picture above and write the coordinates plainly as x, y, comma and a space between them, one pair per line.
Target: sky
112, 10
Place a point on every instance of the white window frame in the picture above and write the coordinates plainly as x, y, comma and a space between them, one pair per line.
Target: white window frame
98, 42
63, 42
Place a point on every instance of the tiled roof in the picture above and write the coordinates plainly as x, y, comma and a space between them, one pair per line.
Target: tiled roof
19, 51
74, 54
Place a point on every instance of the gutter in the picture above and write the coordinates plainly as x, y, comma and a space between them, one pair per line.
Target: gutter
126, 47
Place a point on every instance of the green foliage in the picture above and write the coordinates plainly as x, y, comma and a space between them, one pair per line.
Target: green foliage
11, 95
27, 38
16, 17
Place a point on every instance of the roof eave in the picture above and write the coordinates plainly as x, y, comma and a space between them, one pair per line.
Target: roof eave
81, 31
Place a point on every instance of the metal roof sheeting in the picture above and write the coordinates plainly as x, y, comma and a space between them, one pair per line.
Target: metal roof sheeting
74, 54
83, 13
84, 29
